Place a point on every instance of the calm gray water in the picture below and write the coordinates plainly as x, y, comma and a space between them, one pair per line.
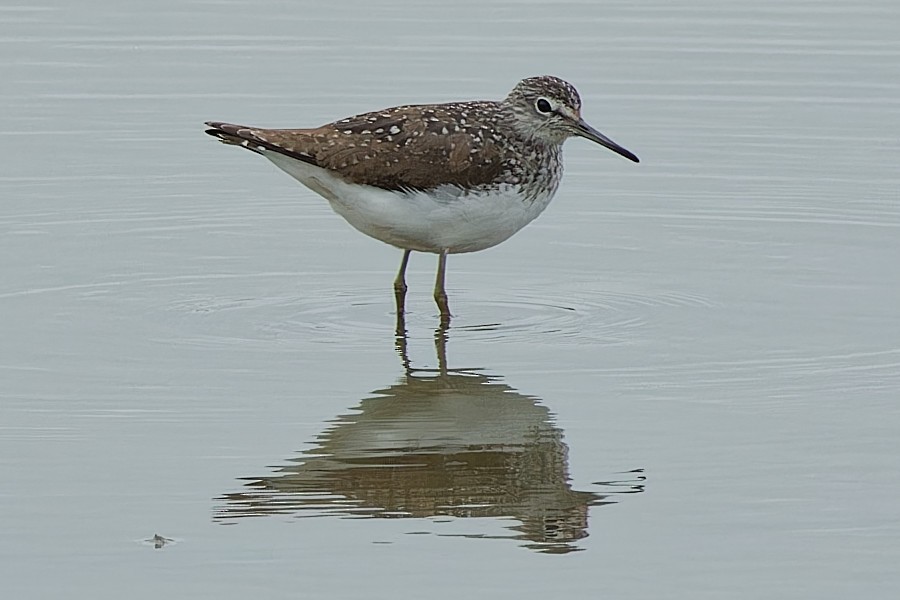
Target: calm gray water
682, 381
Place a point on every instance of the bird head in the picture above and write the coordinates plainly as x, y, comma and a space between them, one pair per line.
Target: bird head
549, 109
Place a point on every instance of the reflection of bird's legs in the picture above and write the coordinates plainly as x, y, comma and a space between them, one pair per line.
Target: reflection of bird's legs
440, 345
400, 342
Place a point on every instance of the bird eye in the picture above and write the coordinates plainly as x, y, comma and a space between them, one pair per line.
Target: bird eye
543, 106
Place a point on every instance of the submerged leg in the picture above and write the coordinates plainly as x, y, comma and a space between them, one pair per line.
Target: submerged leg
440, 295
400, 284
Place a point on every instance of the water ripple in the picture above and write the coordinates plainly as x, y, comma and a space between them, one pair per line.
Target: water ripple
358, 317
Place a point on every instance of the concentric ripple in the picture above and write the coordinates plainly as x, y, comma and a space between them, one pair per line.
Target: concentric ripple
363, 316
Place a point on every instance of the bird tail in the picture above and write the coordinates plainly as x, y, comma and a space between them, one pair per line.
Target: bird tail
235, 135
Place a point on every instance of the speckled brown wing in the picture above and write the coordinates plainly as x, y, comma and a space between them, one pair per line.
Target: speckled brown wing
407, 147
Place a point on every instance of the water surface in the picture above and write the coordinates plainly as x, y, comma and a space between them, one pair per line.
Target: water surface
680, 381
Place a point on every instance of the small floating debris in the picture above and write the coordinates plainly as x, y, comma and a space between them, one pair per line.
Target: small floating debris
158, 541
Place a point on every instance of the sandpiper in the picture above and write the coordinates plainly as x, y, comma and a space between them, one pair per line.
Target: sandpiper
440, 178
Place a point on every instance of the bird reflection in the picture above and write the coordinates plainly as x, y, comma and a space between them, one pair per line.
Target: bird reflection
441, 442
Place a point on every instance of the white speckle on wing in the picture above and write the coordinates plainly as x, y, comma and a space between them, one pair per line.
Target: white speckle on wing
394, 130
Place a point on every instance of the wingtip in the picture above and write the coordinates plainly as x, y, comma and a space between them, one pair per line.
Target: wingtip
226, 132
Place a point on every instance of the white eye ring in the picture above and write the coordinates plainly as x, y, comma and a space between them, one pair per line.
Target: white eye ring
543, 106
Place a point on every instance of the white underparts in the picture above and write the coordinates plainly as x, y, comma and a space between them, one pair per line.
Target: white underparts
446, 218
